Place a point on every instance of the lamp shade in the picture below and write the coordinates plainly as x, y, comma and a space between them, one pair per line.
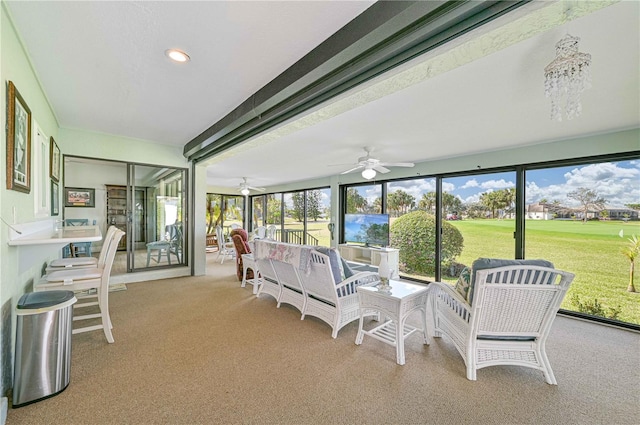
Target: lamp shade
368, 173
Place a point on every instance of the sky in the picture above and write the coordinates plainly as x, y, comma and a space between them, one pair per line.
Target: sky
617, 182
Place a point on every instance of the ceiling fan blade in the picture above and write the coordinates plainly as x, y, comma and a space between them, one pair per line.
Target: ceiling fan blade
259, 189
353, 169
379, 168
398, 164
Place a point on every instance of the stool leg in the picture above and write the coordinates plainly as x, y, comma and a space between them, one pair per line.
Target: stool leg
148, 256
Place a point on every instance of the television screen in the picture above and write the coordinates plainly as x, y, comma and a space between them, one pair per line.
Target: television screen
367, 229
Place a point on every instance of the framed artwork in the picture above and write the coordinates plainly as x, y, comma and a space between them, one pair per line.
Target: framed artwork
18, 142
79, 197
54, 161
55, 199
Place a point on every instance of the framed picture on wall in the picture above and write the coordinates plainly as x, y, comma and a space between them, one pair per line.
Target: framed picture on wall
18, 142
55, 199
79, 197
54, 161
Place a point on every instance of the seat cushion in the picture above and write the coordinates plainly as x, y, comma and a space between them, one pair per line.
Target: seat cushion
74, 275
77, 261
492, 263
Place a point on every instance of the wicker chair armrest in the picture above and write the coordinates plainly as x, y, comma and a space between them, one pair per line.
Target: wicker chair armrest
348, 286
450, 297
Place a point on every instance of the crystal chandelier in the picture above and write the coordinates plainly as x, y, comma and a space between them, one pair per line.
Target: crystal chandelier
567, 76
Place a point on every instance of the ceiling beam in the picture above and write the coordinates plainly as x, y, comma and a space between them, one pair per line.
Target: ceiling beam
387, 34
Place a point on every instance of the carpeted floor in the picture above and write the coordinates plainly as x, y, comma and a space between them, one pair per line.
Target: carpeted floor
202, 350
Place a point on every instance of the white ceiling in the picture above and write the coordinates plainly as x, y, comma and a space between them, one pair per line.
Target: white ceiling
102, 66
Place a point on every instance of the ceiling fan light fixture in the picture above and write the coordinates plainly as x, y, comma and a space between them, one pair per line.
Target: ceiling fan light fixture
368, 173
177, 55
244, 191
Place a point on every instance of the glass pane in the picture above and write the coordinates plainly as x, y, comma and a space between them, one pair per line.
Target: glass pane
214, 209
233, 212
479, 220
157, 217
257, 212
293, 231
274, 213
364, 199
411, 209
318, 217
583, 219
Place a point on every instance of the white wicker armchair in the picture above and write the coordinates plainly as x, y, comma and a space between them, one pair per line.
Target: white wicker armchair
513, 308
334, 303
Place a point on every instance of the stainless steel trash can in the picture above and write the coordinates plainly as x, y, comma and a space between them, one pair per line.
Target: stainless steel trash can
43, 345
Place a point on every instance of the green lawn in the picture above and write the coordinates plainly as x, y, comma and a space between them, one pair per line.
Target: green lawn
591, 250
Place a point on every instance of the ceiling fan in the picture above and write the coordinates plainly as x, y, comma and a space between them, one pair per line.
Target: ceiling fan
244, 187
371, 165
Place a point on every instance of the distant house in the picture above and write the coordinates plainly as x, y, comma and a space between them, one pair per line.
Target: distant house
623, 214
538, 211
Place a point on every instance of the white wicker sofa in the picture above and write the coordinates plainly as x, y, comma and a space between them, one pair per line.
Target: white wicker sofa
319, 285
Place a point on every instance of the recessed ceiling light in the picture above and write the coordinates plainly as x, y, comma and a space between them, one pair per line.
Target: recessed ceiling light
177, 55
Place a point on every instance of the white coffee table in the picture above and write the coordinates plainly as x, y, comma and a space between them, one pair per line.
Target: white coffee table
394, 305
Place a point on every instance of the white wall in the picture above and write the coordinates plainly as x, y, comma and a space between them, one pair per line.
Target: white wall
17, 207
94, 176
20, 267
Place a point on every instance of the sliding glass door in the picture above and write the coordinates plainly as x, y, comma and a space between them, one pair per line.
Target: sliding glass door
155, 215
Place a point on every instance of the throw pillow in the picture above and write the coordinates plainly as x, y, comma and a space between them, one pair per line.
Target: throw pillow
464, 282
334, 262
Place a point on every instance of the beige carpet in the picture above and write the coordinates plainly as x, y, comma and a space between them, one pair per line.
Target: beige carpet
202, 350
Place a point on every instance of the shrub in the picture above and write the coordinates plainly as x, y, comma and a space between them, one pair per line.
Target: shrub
594, 308
414, 235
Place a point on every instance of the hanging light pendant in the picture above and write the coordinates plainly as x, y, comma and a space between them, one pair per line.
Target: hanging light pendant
566, 78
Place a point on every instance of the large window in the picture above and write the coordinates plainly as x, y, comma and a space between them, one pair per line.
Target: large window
411, 207
300, 217
582, 216
476, 209
224, 210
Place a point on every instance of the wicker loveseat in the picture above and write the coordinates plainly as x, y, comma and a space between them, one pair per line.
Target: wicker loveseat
318, 284
500, 313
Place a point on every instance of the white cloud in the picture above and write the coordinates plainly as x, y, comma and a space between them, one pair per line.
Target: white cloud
470, 183
617, 185
497, 184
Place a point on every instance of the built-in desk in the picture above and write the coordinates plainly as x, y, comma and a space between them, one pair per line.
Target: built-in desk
64, 236
39, 240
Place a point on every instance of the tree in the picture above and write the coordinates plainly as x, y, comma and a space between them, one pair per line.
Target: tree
355, 202
633, 206
214, 217
492, 201
632, 251
274, 212
314, 204
588, 199
427, 202
400, 202
476, 210
298, 206
450, 203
